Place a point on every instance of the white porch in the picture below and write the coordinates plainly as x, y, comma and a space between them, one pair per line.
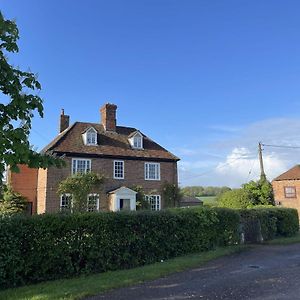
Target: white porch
122, 198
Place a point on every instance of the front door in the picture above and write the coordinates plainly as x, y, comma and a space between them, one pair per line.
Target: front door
124, 204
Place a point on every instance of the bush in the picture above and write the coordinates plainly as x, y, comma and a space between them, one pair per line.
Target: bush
237, 198
46, 247
12, 202
264, 223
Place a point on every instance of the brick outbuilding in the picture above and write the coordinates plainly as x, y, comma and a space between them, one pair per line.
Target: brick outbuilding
286, 188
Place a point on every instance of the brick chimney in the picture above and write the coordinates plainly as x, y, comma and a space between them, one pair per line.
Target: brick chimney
64, 121
108, 116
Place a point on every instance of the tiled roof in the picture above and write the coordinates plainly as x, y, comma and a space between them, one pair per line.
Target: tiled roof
291, 174
109, 143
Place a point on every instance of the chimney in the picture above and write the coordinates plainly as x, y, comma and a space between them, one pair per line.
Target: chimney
108, 116
64, 121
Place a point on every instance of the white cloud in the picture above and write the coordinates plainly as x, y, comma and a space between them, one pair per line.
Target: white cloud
240, 155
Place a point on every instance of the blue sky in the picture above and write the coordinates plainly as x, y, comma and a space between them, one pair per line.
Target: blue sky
206, 79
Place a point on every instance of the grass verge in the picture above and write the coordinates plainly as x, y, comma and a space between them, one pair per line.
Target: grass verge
285, 240
80, 287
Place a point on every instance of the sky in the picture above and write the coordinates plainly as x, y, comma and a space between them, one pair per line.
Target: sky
205, 79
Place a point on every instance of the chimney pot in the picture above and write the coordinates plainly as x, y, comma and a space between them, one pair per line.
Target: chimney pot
64, 121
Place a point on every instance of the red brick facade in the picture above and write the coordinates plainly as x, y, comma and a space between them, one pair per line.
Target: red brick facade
25, 183
110, 142
49, 201
287, 199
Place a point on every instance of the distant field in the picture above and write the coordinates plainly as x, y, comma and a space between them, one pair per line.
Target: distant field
209, 200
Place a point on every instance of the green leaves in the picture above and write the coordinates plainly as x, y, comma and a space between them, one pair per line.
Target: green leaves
80, 185
53, 246
16, 116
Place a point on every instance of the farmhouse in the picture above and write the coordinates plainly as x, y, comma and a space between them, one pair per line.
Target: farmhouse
286, 188
124, 155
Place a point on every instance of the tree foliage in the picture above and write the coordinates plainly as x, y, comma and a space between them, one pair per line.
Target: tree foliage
19, 101
80, 185
237, 198
253, 193
12, 203
171, 194
260, 192
203, 191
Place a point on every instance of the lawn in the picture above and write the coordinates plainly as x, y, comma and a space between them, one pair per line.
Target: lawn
209, 200
78, 288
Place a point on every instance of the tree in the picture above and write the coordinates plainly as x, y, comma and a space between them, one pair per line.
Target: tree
238, 198
80, 186
171, 194
12, 202
17, 107
260, 192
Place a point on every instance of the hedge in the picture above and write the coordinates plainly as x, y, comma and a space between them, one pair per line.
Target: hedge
54, 246
46, 247
266, 223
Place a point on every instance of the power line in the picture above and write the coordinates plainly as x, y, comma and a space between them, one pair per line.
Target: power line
212, 170
281, 146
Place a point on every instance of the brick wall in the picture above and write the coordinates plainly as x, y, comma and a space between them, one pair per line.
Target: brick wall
133, 175
279, 195
25, 183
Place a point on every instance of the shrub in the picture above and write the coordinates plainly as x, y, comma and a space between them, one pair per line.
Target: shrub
237, 198
12, 202
46, 247
265, 223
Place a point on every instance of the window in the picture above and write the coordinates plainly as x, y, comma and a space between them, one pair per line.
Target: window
118, 169
136, 140
152, 171
81, 165
65, 202
154, 201
90, 137
93, 202
290, 192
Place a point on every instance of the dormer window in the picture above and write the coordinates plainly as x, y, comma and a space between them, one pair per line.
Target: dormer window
136, 140
90, 137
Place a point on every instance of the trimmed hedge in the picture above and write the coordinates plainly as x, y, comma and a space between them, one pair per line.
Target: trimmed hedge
46, 247
266, 223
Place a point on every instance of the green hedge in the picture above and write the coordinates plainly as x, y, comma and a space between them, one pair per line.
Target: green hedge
266, 223
46, 247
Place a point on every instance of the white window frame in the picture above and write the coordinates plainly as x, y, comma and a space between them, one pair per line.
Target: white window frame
138, 136
290, 192
147, 171
154, 206
76, 166
63, 208
97, 202
114, 169
90, 131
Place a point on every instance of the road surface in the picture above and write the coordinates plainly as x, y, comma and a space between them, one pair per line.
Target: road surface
264, 272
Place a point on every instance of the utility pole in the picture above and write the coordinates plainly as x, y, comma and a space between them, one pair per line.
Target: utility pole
261, 163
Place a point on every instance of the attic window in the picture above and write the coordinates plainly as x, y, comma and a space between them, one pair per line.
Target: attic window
136, 141
90, 137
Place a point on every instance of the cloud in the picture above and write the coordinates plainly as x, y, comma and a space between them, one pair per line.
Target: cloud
241, 166
235, 160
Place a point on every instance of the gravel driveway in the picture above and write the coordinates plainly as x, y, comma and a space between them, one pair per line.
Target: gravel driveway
264, 272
